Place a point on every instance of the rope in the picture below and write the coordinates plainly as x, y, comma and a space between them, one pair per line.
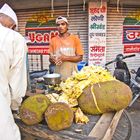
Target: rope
52, 8
68, 6
118, 1
95, 101
101, 4
84, 2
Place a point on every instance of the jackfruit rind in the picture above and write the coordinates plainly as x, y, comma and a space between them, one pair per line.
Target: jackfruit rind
105, 97
32, 109
59, 116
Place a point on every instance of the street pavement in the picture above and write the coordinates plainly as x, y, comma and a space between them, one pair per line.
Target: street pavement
134, 112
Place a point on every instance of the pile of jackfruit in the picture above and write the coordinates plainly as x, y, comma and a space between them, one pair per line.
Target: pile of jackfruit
91, 91
73, 87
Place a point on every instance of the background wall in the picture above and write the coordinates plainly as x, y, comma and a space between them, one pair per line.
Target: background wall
78, 24
78, 19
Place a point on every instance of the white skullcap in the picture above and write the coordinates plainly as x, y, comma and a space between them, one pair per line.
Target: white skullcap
60, 18
7, 10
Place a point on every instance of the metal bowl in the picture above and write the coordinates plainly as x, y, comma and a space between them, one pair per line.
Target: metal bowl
52, 79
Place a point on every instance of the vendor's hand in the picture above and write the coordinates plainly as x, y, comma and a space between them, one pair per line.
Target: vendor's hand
61, 59
58, 61
52, 59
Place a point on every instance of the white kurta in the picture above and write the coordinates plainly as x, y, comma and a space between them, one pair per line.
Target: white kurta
13, 80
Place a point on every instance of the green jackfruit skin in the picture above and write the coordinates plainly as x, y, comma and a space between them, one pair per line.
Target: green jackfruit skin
110, 96
59, 116
32, 109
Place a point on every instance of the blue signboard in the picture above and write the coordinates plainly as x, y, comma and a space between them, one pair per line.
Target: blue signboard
131, 34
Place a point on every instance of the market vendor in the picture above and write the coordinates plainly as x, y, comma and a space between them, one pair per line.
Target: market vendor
65, 50
13, 73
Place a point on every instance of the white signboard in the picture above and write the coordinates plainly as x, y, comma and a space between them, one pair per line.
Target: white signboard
97, 33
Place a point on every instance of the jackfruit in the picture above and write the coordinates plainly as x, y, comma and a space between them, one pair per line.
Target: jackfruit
105, 97
32, 109
59, 116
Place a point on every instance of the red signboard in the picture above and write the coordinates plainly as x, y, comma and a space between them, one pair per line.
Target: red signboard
131, 48
38, 50
40, 38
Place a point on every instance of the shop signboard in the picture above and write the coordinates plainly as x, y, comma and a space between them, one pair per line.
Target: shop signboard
97, 33
40, 28
131, 38
40, 38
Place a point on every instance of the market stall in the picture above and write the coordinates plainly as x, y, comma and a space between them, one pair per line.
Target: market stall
105, 115
100, 126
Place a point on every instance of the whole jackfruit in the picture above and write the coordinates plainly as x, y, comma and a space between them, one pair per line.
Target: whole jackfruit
32, 109
105, 97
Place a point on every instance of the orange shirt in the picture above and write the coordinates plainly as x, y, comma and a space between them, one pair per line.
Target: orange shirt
70, 45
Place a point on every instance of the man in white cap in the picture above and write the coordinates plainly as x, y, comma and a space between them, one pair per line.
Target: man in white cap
13, 79
65, 50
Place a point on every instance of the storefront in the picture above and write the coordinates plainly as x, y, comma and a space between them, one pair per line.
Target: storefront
78, 20
77, 14
115, 34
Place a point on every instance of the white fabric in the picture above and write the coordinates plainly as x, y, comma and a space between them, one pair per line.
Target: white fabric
60, 18
8, 128
13, 80
7, 10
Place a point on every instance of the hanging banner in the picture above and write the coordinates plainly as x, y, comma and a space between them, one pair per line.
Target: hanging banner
131, 38
97, 33
40, 28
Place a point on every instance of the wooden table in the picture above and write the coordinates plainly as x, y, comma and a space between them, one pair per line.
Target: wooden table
99, 127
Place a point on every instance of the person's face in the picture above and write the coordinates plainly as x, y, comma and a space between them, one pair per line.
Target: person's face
13, 27
62, 27
9, 23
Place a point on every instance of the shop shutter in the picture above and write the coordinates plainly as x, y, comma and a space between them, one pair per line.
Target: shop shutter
114, 35
78, 20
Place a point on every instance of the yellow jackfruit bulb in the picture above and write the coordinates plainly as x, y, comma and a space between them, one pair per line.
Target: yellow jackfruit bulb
80, 117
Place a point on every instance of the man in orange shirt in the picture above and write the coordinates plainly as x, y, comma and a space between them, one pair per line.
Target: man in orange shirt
65, 50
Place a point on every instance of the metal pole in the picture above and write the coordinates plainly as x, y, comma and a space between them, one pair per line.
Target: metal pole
28, 76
